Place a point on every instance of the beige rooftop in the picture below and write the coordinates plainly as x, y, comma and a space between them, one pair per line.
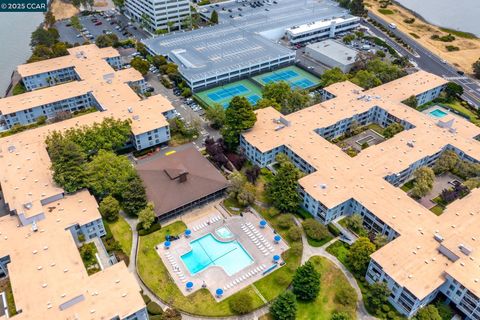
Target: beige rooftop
46, 269
362, 177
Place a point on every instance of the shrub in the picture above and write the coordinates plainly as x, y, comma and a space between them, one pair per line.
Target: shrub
340, 316
171, 314
295, 233
153, 228
346, 297
333, 230
409, 20
153, 308
241, 303
285, 221
451, 48
315, 230
146, 298
284, 307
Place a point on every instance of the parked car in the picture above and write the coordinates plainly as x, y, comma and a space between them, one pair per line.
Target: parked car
98, 23
149, 89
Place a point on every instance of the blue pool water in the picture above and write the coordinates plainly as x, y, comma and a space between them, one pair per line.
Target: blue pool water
208, 251
437, 113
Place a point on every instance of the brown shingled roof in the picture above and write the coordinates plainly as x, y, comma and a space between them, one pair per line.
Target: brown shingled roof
162, 179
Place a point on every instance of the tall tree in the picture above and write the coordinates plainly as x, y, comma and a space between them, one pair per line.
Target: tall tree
106, 40
49, 19
133, 197
366, 79
284, 307
140, 65
359, 255
429, 312
332, 76
282, 189
378, 295
424, 178
146, 217
446, 162
411, 101
239, 116
453, 90
214, 17
357, 7
44, 37
109, 208
306, 282
216, 115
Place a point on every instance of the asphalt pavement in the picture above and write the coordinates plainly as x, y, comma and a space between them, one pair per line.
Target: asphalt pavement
428, 61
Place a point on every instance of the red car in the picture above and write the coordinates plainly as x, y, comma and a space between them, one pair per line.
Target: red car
98, 23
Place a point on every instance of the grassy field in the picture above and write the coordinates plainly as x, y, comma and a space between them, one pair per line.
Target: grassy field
386, 11
332, 281
122, 233
155, 275
461, 34
232, 206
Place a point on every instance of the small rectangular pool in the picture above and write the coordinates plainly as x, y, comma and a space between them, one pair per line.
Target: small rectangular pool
208, 251
437, 113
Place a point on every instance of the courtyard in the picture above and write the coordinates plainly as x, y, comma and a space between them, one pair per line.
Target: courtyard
364, 139
222, 252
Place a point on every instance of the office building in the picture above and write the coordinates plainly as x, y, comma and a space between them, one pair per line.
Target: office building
332, 54
160, 14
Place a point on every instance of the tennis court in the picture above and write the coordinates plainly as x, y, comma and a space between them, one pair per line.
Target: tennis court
296, 77
224, 94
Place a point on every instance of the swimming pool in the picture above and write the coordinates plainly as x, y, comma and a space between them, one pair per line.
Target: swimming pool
224, 232
208, 251
437, 113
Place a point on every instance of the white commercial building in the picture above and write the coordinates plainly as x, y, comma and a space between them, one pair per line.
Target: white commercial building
321, 29
332, 54
159, 14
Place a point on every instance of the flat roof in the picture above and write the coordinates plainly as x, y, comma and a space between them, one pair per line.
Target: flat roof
335, 51
162, 179
315, 25
238, 42
339, 178
46, 270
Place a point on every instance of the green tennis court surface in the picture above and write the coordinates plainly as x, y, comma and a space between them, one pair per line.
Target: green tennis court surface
296, 77
224, 94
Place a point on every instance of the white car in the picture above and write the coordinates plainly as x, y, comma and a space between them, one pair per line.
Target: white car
392, 26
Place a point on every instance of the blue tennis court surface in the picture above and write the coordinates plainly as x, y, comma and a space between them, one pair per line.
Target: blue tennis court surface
224, 94
296, 77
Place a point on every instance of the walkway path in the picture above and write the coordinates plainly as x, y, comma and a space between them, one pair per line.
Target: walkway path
309, 251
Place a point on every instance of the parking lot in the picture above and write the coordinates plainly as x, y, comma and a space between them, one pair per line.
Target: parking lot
98, 24
228, 10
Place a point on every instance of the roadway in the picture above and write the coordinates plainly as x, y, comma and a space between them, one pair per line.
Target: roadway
426, 60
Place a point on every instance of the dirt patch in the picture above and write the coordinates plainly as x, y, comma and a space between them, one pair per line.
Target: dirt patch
101, 4
63, 9
463, 59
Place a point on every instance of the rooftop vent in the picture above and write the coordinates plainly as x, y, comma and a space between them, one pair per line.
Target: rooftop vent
438, 237
465, 250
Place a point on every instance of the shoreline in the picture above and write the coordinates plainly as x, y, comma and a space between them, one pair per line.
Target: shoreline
425, 21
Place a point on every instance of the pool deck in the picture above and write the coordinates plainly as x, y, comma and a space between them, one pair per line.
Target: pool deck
213, 277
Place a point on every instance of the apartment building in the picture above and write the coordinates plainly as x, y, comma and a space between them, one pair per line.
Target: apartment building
321, 29
89, 77
159, 14
427, 254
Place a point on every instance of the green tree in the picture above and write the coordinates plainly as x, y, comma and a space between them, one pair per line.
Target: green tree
366, 79
446, 162
476, 69
68, 162
358, 256
355, 223
239, 116
315, 230
141, 48
280, 92
147, 216
340, 316
429, 312
380, 240
348, 38
306, 282
75, 21
284, 307
241, 303
119, 3
46, 37
140, 65
377, 294
453, 90
265, 103
424, 178
216, 115
392, 129
109, 208
332, 76
411, 101
108, 174
214, 17
49, 19
357, 7
299, 99
133, 197
106, 40
158, 61
59, 49
385, 71
282, 189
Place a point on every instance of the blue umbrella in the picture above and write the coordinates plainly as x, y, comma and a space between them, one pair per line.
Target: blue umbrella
167, 244
277, 238
219, 292
263, 223
189, 285
276, 258
188, 232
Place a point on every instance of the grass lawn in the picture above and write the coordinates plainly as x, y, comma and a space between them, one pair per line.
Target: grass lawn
5, 286
407, 186
386, 11
233, 206
155, 275
122, 233
316, 243
339, 249
88, 253
457, 106
332, 280
376, 127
